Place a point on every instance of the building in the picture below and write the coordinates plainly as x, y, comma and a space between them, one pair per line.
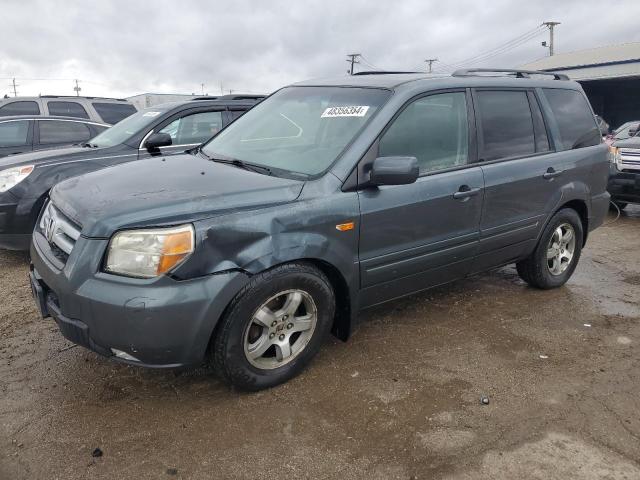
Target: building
609, 75
145, 100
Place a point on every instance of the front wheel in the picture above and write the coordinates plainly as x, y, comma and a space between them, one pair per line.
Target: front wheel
556, 256
274, 326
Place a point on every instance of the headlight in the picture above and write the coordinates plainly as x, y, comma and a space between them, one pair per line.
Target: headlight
614, 156
10, 177
149, 253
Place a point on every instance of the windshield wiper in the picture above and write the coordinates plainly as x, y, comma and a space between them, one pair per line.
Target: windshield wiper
89, 145
252, 167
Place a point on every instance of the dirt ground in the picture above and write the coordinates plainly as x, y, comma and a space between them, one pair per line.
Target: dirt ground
400, 400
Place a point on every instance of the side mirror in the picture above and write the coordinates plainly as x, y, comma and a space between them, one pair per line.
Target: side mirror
394, 171
157, 140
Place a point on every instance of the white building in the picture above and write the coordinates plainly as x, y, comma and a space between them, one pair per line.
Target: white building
145, 100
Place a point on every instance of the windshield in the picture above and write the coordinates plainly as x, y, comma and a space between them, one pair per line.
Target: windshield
298, 129
123, 130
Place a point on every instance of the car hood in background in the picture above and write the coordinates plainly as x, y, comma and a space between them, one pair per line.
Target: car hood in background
633, 142
165, 191
50, 156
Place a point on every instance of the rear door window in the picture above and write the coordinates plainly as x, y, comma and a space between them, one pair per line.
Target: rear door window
575, 121
55, 131
114, 112
14, 134
20, 108
67, 109
506, 125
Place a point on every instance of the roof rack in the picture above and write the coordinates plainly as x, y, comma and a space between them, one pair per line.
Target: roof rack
81, 96
241, 96
383, 72
206, 97
470, 72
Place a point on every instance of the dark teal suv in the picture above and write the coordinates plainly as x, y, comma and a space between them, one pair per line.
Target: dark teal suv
328, 197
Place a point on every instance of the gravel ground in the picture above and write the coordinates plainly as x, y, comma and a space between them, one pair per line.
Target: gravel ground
400, 400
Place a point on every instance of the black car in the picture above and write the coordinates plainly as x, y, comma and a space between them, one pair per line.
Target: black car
173, 127
26, 133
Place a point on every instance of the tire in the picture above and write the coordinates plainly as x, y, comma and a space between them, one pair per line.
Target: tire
539, 271
243, 332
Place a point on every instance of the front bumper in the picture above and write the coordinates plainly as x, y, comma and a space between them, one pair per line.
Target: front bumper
624, 186
157, 323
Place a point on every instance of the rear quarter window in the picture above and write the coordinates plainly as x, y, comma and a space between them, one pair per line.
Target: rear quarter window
114, 112
576, 123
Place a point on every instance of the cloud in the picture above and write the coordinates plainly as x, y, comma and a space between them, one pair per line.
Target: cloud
122, 48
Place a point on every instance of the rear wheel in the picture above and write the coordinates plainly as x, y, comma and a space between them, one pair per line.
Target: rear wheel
556, 256
274, 326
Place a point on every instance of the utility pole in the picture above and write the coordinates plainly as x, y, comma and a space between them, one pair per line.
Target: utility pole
202, 85
77, 88
352, 60
430, 62
15, 92
550, 26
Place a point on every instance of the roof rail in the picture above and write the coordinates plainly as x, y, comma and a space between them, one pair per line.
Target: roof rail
470, 72
86, 98
206, 97
382, 72
241, 96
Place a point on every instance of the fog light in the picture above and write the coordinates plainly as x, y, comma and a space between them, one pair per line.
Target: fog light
124, 355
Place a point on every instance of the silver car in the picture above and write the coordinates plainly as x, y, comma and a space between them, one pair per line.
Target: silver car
95, 109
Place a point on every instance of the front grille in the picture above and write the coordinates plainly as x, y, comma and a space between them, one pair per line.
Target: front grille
630, 159
61, 232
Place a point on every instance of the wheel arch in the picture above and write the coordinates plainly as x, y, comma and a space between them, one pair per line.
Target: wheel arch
581, 208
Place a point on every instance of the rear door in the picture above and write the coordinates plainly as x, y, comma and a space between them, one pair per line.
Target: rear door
15, 137
419, 235
187, 129
520, 171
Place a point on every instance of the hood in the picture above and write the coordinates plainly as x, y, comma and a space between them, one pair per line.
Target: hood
633, 142
43, 157
165, 191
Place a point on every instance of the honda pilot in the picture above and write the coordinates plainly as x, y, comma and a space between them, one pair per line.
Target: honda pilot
328, 197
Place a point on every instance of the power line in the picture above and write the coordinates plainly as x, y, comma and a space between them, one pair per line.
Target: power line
500, 49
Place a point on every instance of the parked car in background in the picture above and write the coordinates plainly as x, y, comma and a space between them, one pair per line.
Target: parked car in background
602, 125
624, 176
26, 133
329, 197
96, 109
626, 130
173, 127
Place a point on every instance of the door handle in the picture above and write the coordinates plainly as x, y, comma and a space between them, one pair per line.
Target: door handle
465, 192
551, 173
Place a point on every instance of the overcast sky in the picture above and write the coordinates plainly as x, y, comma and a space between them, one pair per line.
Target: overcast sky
121, 48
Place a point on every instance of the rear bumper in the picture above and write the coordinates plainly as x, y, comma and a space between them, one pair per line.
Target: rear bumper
624, 186
161, 323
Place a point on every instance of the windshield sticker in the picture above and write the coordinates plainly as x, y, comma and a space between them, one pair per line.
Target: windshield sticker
151, 114
354, 111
